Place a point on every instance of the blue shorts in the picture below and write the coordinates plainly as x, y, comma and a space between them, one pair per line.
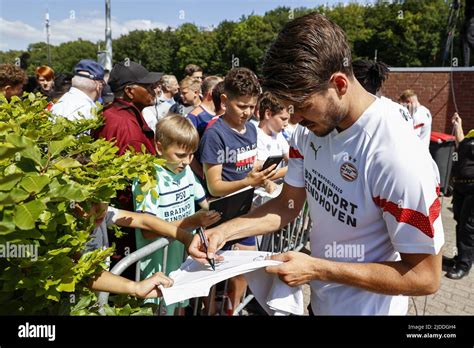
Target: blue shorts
248, 241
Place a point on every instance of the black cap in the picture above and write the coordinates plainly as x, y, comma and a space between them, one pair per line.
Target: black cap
128, 73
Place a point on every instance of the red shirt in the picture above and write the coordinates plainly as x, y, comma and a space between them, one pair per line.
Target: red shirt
125, 124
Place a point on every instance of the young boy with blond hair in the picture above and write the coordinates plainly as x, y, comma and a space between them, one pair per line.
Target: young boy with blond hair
175, 194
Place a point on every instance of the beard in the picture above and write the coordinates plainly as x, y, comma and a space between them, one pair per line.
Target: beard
331, 119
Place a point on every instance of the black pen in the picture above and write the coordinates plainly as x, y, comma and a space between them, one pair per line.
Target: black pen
206, 245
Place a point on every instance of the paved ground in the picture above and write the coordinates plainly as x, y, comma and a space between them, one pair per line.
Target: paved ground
454, 296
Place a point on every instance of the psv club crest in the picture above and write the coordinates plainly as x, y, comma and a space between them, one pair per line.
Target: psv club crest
348, 171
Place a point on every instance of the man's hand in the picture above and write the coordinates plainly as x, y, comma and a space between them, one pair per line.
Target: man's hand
148, 288
197, 249
297, 268
205, 218
456, 120
258, 176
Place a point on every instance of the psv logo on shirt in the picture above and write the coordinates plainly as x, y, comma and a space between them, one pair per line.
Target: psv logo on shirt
348, 171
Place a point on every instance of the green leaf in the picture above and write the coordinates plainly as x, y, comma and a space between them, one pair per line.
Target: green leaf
6, 227
56, 147
53, 294
68, 287
70, 191
59, 251
14, 196
26, 214
34, 183
67, 163
8, 151
83, 303
125, 311
9, 181
109, 311
30, 147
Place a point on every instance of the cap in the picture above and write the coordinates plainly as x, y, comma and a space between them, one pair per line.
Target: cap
128, 73
90, 69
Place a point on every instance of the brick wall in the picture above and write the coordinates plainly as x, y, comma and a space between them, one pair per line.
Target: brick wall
433, 87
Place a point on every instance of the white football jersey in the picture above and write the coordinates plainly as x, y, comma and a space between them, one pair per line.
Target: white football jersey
373, 192
422, 124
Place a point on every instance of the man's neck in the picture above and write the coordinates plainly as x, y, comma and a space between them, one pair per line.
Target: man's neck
167, 95
264, 127
359, 101
93, 95
208, 106
196, 102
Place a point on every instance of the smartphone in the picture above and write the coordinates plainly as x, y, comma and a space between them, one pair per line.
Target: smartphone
271, 161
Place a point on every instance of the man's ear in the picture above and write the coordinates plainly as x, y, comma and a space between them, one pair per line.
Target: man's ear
340, 81
224, 99
159, 148
128, 93
268, 114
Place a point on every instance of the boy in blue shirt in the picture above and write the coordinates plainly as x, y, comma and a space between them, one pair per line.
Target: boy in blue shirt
228, 150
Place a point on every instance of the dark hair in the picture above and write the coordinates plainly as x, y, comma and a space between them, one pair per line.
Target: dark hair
270, 102
241, 82
62, 84
370, 74
304, 56
191, 69
12, 75
216, 95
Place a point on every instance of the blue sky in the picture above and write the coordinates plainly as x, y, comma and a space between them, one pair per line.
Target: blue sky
22, 21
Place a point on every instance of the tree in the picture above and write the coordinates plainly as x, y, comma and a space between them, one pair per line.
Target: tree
157, 50
68, 54
127, 47
193, 46
249, 42
408, 34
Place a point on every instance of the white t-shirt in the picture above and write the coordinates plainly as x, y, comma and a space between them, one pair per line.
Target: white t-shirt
422, 123
73, 104
403, 111
372, 192
270, 145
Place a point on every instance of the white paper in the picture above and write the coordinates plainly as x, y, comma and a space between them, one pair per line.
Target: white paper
194, 279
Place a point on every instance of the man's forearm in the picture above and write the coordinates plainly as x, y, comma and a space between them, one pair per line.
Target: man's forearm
458, 134
390, 278
267, 218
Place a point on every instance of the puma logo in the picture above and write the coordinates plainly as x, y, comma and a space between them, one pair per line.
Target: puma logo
315, 150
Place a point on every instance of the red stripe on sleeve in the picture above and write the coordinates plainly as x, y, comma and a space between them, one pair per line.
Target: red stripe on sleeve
412, 217
294, 153
419, 125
